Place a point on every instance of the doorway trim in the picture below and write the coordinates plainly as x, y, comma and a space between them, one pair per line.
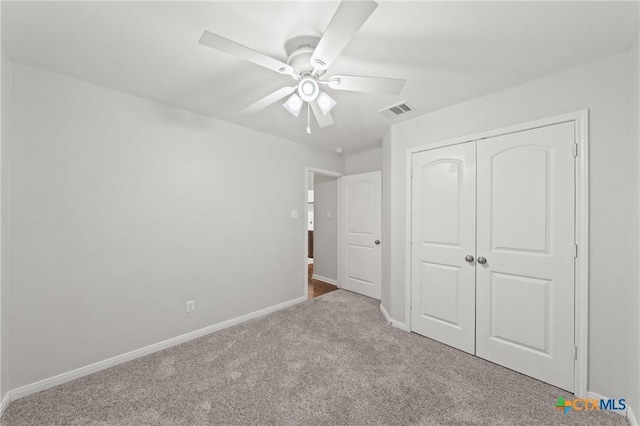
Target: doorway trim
581, 228
307, 171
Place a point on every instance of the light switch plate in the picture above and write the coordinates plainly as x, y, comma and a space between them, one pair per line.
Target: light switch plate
294, 214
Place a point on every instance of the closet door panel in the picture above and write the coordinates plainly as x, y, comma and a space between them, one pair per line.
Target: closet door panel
443, 234
525, 231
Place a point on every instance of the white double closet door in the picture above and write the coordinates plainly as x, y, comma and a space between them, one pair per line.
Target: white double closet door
493, 250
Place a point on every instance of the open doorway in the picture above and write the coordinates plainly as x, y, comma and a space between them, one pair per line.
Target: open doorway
322, 233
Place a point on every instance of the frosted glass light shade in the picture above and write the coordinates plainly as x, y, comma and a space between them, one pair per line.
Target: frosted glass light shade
325, 102
293, 105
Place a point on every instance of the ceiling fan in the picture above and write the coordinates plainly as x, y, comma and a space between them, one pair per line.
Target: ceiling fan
308, 64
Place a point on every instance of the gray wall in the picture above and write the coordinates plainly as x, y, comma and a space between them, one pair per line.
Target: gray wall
325, 235
634, 231
387, 202
602, 87
367, 161
123, 209
5, 146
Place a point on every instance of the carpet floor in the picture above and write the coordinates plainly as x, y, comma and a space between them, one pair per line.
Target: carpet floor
332, 360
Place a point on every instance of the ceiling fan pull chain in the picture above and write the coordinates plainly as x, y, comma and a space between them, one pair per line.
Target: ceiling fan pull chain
308, 119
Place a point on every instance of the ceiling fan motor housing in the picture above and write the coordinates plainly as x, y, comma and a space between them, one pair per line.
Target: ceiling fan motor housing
300, 61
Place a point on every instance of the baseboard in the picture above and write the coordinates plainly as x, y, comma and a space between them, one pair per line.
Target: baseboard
5, 402
399, 325
593, 395
325, 279
119, 359
385, 314
396, 324
631, 417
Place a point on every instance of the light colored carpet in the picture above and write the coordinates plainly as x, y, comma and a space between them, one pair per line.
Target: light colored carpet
331, 360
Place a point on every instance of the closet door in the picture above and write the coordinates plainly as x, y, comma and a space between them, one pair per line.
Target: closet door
443, 235
525, 231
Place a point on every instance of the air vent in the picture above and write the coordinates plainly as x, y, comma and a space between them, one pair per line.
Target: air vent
395, 110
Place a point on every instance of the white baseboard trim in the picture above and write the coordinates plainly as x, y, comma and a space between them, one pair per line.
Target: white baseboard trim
119, 359
325, 279
593, 395
396, 324
631, 418
400, 325
5, 402
385, 314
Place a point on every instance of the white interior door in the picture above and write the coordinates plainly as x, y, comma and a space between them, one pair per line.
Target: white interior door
361, 211
525, 231
443, 234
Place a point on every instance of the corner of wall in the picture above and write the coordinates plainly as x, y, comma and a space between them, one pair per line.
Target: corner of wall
385, 301
6, 67
634, 230
366, 161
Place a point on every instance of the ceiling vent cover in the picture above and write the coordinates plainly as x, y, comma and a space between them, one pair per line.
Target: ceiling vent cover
395, 110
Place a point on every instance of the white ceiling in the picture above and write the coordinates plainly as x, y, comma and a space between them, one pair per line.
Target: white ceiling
448, 51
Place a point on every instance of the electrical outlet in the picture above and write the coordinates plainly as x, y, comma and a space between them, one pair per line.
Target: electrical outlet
191, 306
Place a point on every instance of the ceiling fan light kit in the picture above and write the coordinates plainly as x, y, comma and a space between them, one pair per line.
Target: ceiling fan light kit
293, 105
308, 89
325, 102
308, 63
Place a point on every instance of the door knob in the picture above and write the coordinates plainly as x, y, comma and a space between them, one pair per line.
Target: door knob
377, 242
482, 260
468, 258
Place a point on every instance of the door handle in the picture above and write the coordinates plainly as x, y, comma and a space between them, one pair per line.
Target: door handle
482, 260
377, 242
468, 258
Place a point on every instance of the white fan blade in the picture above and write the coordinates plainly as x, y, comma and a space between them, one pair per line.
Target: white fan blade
222, 44
356, 83
269, 99
343, 26
324, 120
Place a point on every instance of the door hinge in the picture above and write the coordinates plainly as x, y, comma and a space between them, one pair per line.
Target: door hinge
575, 149
575, 353
575, 251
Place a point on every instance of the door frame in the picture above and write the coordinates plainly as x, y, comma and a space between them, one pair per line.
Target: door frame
337, 175
581, 227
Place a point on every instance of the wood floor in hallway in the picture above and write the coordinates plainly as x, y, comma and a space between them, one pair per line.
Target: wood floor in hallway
316, 287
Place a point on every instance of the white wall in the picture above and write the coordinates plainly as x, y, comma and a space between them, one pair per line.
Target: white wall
600, 86
387, 202
325, 235
5, 146
634, 231
123, 209
367, 161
